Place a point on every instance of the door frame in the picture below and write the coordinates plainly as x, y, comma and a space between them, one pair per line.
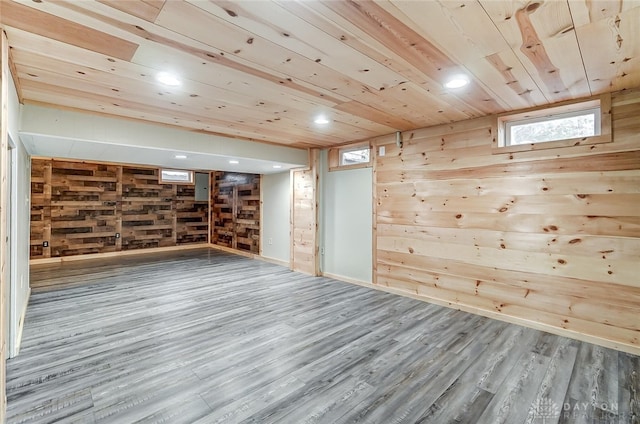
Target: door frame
12, 306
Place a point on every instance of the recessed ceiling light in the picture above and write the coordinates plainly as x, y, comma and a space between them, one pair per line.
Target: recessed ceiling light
457, 81
234, 162
168, 79
321, 120
277, 166
181, 156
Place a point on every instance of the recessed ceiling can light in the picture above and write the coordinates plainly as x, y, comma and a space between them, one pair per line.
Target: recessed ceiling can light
457, 81
181, 156
321, 120
168, 79
234, 162
277, 166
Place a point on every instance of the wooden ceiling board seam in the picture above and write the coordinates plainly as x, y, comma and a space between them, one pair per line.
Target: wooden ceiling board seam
272, 57
255, 111
506, 15
57, 51
250, 108
151, 56
29, 18
155, 122
109, 82
433, 106
415, 49
352, 36
110, 66
587, 12
135, 31
610, 55
47, 94
461, 26
454, 103
377, 115
51, 94
137, 8
203, 111
459, 66
528, 94
381, 62
266, 133
537, 34
261, 20
329, 17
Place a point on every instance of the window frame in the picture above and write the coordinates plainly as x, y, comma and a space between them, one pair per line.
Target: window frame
560, 110
336, 154
162, 180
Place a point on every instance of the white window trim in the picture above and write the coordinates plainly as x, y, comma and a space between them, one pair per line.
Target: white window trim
335, 156
161, 180
595, 111
565, 109
342, 152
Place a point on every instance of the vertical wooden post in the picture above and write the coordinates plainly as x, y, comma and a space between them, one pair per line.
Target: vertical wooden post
210, 213
4, 281
118, 211
235, 204
174, 215
314, 158
46, 213
374, 210
292, 199
304, 217
260, 230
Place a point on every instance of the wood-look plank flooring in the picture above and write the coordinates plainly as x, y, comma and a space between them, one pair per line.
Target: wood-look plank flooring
207, 337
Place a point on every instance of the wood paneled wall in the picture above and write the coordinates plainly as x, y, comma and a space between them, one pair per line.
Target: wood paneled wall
235, 201
548, 239
304, 217
79, 207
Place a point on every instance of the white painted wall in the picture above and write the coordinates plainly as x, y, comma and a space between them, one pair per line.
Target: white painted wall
346, 222
19, 225
276, 212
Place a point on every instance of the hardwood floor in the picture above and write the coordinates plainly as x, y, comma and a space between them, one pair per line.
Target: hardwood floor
207, 337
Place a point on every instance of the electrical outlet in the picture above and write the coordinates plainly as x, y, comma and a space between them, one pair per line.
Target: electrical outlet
117, 235
270, 240
322, 250
45, 244
381, 151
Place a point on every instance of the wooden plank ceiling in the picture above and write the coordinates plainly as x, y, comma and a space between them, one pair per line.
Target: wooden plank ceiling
263, 70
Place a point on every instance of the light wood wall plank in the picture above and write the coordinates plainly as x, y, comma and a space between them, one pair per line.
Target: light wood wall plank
549, 237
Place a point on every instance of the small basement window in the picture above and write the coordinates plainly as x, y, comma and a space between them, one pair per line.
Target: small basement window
351, 156
571, 124
354, 156
176, 176
583, 123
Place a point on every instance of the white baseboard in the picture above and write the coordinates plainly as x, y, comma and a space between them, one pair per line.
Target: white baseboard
348, 279
250, 255
274, 261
